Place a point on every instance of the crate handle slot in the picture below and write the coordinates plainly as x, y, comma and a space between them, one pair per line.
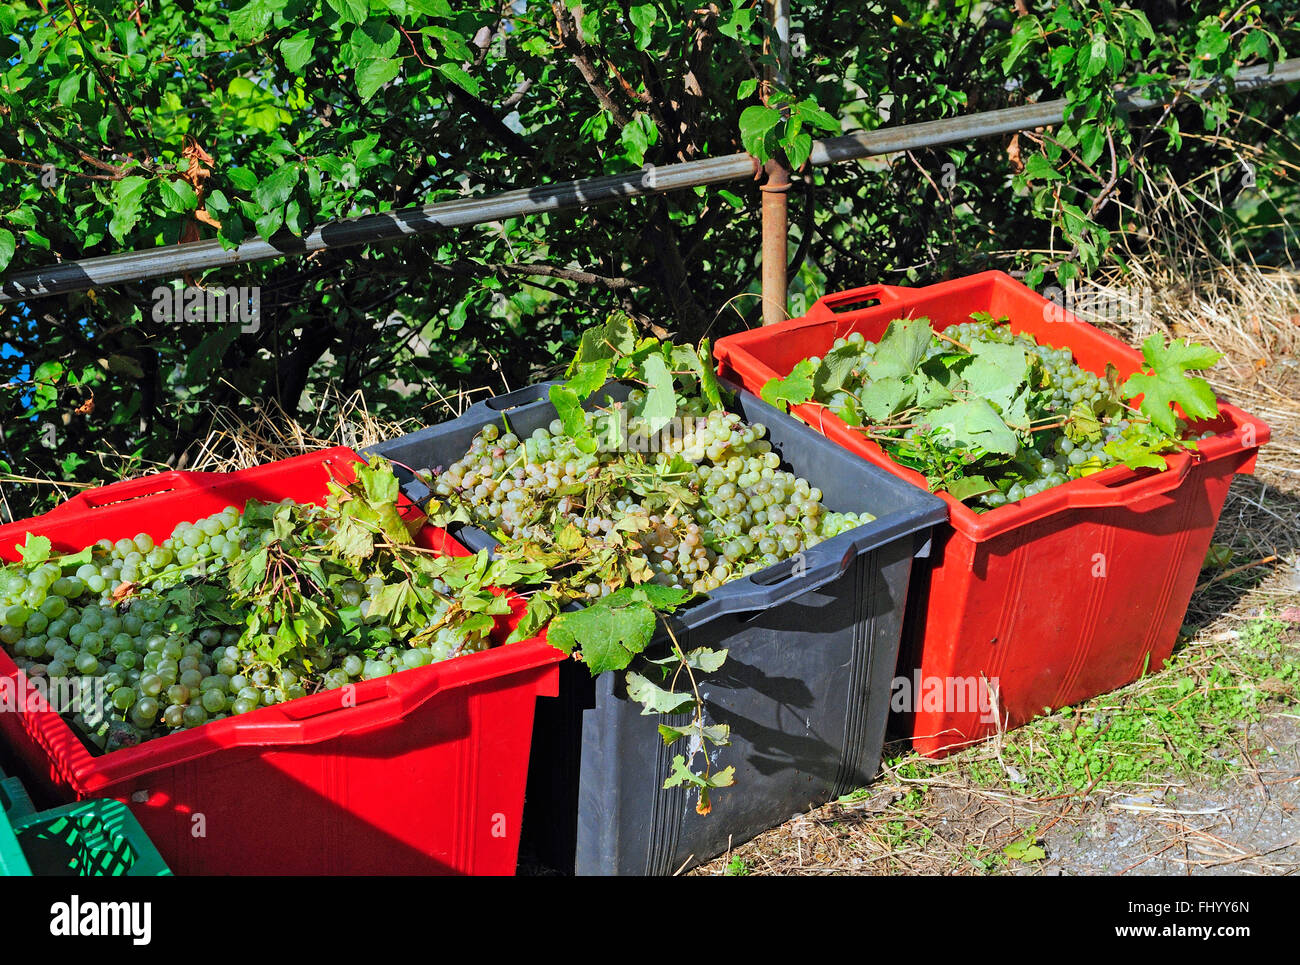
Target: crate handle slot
501, 404
749, 594
336, 720
1134, 490
853, 300
141, 487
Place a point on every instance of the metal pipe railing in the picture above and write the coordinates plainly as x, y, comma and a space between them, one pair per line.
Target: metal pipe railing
173, 260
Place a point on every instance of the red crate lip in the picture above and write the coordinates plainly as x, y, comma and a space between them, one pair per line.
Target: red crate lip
307, 720
66, 524
1113, 486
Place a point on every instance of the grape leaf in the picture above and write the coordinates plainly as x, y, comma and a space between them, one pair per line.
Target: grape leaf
378, 481
70, 560
665, 598
592, 347
1169, 384
849, 409
681, 774
1016, 412
706, 659
930, 392
655, 699
795, 389
620, 332
701, 658
996, 371
881, 398
568, 406
973, 423
1083, 424
35, 550
719, 734
608, 636
588, 377
391, 601
709, 380
352, 540
1135, 452
539, 611
661, 400
963, 488
836, 367
901, 348
685, 357
1024, 850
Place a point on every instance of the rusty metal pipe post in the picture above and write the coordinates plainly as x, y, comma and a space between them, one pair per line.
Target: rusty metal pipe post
776, 185
775, 189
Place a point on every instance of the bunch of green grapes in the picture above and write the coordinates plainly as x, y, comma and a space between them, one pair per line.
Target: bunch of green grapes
158, 677
745, 514
1054, 458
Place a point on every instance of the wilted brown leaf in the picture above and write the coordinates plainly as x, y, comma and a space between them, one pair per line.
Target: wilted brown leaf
1013, 154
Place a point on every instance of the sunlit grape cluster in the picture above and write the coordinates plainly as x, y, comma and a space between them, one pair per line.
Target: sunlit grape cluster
744, 513
159, 673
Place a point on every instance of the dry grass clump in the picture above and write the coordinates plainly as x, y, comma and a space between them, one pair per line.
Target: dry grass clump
257, 434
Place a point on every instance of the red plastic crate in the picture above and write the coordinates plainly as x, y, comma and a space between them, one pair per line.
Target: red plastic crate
422, 772
1062, 595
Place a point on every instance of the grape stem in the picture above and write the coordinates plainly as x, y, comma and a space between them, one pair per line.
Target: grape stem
698, 722
948, 338
405, 466
1054, 425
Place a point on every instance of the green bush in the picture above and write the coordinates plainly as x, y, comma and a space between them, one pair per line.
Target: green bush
127, 125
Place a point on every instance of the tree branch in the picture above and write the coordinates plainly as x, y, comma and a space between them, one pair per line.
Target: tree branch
580, 55
569, 274
478, 110
110, 88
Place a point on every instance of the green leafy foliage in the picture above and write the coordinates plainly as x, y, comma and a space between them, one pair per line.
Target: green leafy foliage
615, 352
989, 417
618, 512
703, 783
1168, 383
1026, 849
611, 632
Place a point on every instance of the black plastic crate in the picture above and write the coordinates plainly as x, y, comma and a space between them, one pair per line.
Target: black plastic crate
805, 687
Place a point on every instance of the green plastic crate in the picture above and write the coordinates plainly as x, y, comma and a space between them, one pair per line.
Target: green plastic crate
14, 803
85, 839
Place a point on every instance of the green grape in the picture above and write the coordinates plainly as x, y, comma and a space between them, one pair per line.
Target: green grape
194, 716
145, 712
